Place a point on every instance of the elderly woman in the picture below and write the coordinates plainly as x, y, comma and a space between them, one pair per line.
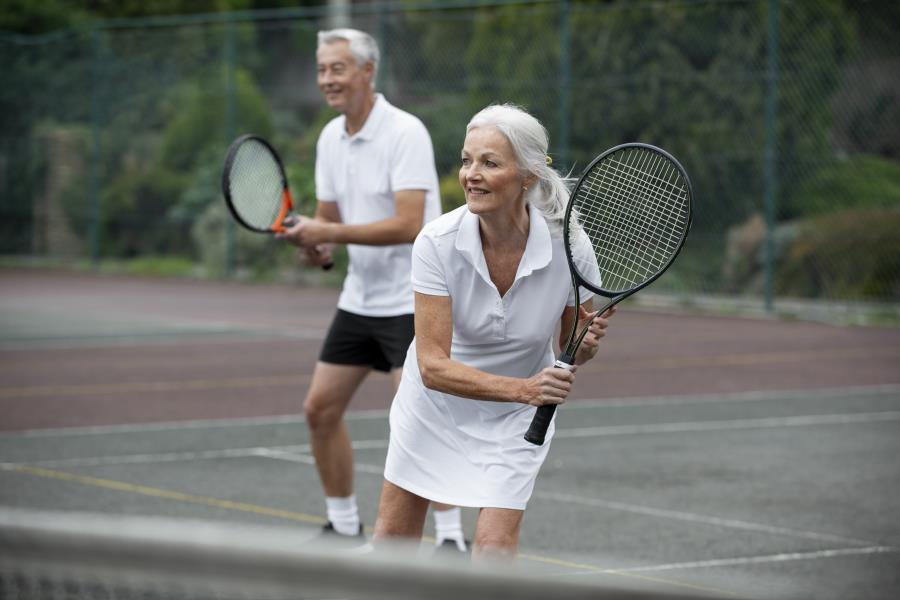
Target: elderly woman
491, 286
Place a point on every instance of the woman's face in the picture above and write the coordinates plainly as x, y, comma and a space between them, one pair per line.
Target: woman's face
489, 174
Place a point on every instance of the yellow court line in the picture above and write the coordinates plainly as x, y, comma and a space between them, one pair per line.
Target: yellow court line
151, 386
605, 365
284, 380
602, 571
144, 490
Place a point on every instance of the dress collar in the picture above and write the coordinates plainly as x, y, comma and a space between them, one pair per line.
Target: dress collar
538, 248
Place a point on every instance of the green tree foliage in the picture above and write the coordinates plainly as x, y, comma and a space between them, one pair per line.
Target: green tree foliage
198, 123
32, 17
29, 17
184, 177
151, 96
863, 182
685, 76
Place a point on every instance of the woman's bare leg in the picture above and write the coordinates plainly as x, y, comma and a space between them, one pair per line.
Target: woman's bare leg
401, 514
497, 533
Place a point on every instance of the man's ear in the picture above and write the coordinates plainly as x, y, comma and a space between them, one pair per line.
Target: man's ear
369, 70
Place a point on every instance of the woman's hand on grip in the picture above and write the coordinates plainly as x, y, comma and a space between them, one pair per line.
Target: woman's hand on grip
549, 386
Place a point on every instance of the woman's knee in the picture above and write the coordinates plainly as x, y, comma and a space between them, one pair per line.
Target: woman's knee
497, 532
401, 514
496, 543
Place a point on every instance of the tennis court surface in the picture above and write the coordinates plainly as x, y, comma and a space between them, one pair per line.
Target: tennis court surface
698, 455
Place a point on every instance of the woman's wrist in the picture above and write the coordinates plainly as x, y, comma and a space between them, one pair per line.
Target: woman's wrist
585, 354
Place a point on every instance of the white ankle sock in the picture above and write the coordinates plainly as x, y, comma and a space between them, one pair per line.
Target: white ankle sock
448, 526
343, 514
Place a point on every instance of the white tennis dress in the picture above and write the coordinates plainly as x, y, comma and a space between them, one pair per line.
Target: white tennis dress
472, 452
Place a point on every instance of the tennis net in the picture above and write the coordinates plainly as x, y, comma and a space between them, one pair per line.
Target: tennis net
68, 556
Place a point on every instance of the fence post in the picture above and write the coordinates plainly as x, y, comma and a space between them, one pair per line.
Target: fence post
383, 34
96, 205
770, 184
565, 81
230, 133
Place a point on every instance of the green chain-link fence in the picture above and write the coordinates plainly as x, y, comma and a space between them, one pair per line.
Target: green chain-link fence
784, 113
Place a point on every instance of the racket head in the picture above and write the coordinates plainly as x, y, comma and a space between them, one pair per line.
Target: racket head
627, 219
255, 185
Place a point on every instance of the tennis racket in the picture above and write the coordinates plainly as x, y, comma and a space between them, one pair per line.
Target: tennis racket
256, 187
632, 208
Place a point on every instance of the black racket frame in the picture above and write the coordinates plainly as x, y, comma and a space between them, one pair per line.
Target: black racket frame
543, 416
226, 171
226, 188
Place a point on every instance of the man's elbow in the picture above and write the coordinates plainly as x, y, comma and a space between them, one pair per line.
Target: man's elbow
411, 230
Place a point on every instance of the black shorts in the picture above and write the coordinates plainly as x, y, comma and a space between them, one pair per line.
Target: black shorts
377, 342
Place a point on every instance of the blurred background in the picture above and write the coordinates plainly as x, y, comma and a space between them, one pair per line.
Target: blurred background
115, 118
706, 454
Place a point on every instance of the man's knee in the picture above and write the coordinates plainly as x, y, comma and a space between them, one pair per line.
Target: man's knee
322, 412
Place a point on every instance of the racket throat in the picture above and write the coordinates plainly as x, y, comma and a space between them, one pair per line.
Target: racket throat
565, 361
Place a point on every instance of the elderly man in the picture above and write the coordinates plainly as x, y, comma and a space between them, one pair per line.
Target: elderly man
376, 186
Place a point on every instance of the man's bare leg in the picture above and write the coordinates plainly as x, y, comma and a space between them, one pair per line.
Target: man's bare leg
330, 391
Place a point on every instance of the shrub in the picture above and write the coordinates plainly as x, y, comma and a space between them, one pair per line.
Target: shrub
853, 254
452, 195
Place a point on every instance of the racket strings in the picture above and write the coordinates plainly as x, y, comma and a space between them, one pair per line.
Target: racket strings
256, 185
633, 207
629, 213
652, 224
630, 268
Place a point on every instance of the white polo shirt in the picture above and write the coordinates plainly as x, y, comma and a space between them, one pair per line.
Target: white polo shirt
361, 173
472, 452
508, 335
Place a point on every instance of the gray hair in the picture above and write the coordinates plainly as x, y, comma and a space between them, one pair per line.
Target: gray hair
362, 45
529, 141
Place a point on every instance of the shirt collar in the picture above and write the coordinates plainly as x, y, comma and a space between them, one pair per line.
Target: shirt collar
538, 249
370, 127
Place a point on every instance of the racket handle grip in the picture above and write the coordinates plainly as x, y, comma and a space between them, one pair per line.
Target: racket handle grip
543, 416
540, 423
327, 267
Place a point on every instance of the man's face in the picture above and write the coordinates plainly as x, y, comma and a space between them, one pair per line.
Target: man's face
343, 82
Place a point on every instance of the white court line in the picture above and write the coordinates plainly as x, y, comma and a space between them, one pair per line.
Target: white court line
697, 518
164, 457
308, 459
755, 396
751, 560
356, 415
730, 425
296, 454
561, 433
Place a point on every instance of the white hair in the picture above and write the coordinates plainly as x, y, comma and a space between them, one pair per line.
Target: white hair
529, 141
362, 45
